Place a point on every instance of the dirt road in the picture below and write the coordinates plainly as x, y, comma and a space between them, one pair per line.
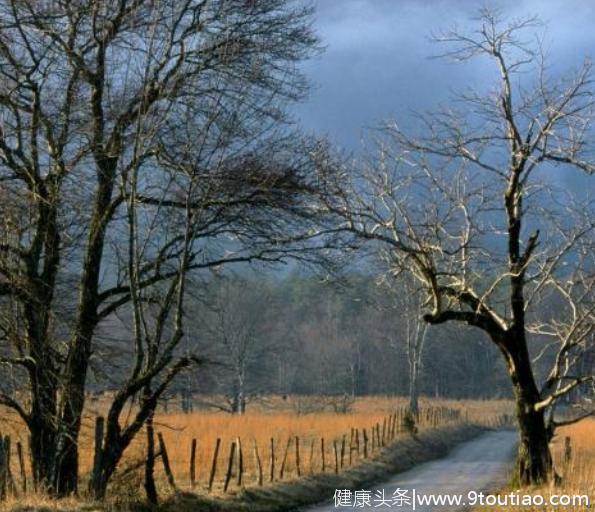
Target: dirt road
482, 464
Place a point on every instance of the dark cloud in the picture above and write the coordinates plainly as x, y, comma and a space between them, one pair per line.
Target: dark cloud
377, 63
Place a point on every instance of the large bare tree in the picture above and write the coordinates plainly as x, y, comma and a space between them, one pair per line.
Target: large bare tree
114, 115
470, 208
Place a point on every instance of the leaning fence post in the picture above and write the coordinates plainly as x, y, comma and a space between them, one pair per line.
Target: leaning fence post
165, 461
389, 427
342, 450
312, 456
229, 466
240, 461
214, 464
284, 461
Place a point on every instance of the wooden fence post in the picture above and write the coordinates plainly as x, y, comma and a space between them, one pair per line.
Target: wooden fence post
322, 454
165, 461
365, 436
383, 432
357, 441
342, 450
229, 466
297, 456
272, 460
98, 452
312, 456
3, 472
284, 461
22, 467
214, 464
567, 450
258, 463
336, 456
240, 461
193, 463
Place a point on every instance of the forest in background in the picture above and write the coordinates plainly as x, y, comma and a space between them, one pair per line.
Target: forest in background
302, 334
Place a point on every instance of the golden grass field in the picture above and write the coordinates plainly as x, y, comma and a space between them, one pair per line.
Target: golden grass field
272, 418
259, 427
283, 419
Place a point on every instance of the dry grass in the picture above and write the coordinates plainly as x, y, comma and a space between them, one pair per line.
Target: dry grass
578, 475
273, 418
280, 422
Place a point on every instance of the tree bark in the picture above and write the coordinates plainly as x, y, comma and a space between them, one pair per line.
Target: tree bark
413, 390
150, 488
43, 434
534, 460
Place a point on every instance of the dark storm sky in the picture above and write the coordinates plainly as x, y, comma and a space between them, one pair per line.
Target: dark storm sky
377, 66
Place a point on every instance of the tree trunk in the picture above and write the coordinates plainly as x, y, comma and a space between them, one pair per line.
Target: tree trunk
150, 488
118, 439
66, 473
42, 442
534, 460
65, 477
44, 391
534, 463
413, 390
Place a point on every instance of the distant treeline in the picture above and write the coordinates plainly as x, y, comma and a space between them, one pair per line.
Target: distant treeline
301, 335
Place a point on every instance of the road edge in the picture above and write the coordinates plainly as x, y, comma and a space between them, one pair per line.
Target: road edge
400, 456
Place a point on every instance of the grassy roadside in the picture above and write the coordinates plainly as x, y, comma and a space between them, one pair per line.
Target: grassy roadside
578, 475
400, 456
284, 496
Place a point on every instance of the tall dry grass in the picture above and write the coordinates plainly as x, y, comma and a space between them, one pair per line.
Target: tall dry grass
276, 418
578, 476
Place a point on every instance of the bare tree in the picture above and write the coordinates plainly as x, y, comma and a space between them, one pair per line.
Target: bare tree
235, 339
415, 335
468, 208
406, 303
569, 330
102, 103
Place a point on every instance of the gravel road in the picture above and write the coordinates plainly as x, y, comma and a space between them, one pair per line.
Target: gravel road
482, 464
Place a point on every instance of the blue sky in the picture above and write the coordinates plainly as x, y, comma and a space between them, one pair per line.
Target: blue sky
376, 65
